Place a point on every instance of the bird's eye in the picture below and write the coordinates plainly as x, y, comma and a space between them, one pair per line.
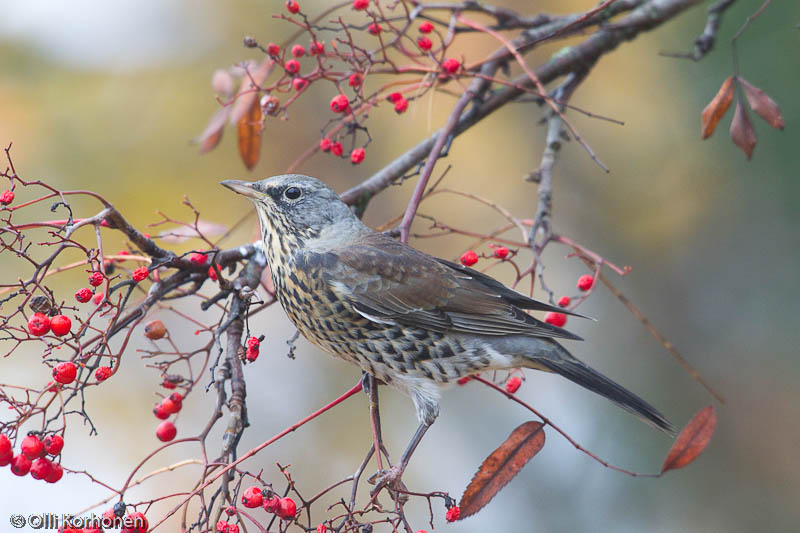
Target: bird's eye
292, 193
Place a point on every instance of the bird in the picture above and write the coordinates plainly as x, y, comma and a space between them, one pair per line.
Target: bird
415, 322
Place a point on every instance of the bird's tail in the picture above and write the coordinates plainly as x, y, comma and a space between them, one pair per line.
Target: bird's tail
574, 370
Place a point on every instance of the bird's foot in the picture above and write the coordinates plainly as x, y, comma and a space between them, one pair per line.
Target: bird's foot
391, 479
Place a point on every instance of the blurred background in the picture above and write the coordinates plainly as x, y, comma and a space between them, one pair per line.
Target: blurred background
107, 96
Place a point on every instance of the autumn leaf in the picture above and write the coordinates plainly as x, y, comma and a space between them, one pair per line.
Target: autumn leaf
763, 106
717, 108
501, 466
249, 128
692, 440
742, 132
249, 91
211, 136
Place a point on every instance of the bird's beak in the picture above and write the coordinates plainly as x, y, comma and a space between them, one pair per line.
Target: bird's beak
244, 188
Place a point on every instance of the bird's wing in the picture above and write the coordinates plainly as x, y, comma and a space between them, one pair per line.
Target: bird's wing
389, 282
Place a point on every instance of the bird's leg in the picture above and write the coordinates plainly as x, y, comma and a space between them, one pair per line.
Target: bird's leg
370, 385
392, 476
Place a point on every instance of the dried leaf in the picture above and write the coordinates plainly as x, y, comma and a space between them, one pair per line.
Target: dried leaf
742, 132
764, 106
717, 108
249, 90
209, 139
249, 128
501, 466
692, 440
184, 233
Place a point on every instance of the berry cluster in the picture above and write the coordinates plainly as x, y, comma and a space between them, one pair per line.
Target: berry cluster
284, 508
32, 457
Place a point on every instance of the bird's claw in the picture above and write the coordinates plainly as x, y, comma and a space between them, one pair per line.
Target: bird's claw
390, 478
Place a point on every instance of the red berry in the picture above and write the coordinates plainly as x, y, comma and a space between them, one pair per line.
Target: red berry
140, 273
501, 252
83, 295
198, 258
469, 258
357, 156
65, 372
233, 528
222, 527
253, 342
298, 50
322, 528
20, 465
177, 397
292, 6
374, 28
7, 197
160, 412
102, 373
401, 106
53, 444
273, 49
450, 65
252, 497
169, 406
56, 472
135, 523
355, 80
292, 66
122, 252
585, 282
424, 43
98, 298
287, 508
394, 97
166, 431
325, 144
425, 27
513, 384
360, 4
5, 446
5, 460
32, 447
96, 278
299, 84
271, 505
60, 325
564, 301
557, 319
170, 382
340, 104
38, 324
212, 274
316, 47
337, 149
453, 513
230, 510
251, 354
40, 468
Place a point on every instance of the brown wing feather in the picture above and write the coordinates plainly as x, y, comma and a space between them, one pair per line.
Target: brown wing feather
388, 281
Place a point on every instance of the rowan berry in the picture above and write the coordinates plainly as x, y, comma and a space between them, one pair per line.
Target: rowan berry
564, 301
212, 274
469, 258
56, 472
395, 97
38, 324
585, 282
501, 252
272, 504
425, 27
32, 447
292, 66
316, 47
154, 330
140, 273
453, 513
401, 106
325, 144
160, 412
96, 278
5, 446
337, 149
135, 523
273, 49
424, 43
292, 6
360, 4
287, 508
53, 444
102, 373
374, 28
357, 156
222, 527
233, 528
60, 325
322, 528
40, 468
122, 252
556, 319
298, 50
340, 104
170, 406
65, 372
20, 465
355, 80
98, 298
513, 384
7, 197
83, 295
198, 258
451, 65
252, 497
166, 431
299, 84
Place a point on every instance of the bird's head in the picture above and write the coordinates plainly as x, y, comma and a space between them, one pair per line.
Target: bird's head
293, 206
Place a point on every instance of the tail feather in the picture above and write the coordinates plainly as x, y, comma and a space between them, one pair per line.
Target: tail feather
586, 377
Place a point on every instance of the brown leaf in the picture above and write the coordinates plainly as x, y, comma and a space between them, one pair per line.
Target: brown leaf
742, 132
764, 106
717, 108
501, 466
692, 440
249, 89
249, 128
209, 139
